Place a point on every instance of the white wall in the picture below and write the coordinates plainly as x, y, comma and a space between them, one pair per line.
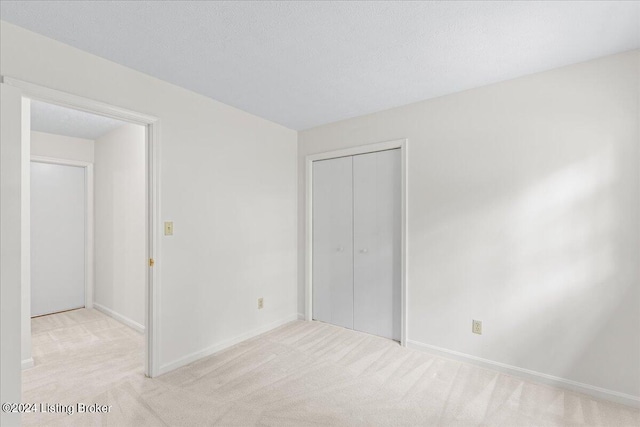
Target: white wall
61, 147
523, 213
11, 252
228, 181
120, 223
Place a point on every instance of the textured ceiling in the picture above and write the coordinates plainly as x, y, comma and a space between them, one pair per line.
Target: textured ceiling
303, 64
65, 121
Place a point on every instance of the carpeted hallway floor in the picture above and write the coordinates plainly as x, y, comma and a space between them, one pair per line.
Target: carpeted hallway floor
303, 373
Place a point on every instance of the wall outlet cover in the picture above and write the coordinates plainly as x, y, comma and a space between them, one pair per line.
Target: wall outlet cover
476, 327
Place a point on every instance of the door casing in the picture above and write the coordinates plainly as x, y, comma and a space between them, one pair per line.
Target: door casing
152, 124
88, 220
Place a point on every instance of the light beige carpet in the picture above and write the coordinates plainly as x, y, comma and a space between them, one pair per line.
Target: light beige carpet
301, 374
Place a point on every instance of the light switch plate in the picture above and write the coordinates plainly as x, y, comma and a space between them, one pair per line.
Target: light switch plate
168, 228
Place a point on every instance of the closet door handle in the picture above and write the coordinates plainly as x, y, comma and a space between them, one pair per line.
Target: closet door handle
339, 249
364, 250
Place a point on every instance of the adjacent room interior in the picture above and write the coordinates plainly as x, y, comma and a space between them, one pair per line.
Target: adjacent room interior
320, 213
87, 204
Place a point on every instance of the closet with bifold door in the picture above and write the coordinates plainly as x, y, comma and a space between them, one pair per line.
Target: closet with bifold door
356, 223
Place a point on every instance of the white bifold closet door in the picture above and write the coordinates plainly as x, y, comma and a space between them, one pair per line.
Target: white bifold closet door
57, 238
356, 242
333, 241
376, 237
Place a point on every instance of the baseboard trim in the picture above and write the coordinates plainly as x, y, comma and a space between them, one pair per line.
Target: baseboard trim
224, 345
27, 363
598, 392
119, 317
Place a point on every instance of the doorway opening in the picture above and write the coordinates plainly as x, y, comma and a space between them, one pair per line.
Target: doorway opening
104, 298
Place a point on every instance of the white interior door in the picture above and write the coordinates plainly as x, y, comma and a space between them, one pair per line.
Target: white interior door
57, 238
333, 241
377, 239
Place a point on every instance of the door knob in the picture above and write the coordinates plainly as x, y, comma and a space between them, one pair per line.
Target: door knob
364, 250
340, 249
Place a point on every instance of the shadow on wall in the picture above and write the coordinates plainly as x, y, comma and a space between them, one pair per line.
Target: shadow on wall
569, 281
549, 269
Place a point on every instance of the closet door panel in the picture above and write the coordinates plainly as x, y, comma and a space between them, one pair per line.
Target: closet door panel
333, 241
377, 239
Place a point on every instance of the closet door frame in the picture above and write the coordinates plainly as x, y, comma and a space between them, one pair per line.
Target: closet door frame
401, 144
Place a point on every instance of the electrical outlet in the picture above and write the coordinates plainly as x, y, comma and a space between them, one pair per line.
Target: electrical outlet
260, 303
476, 327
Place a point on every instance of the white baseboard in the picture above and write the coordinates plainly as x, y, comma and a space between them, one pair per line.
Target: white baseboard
223, 345
598, 392
27, 363
119, 317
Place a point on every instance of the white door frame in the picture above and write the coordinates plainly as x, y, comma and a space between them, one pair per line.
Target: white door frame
88, 220
402, 144
152, 125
